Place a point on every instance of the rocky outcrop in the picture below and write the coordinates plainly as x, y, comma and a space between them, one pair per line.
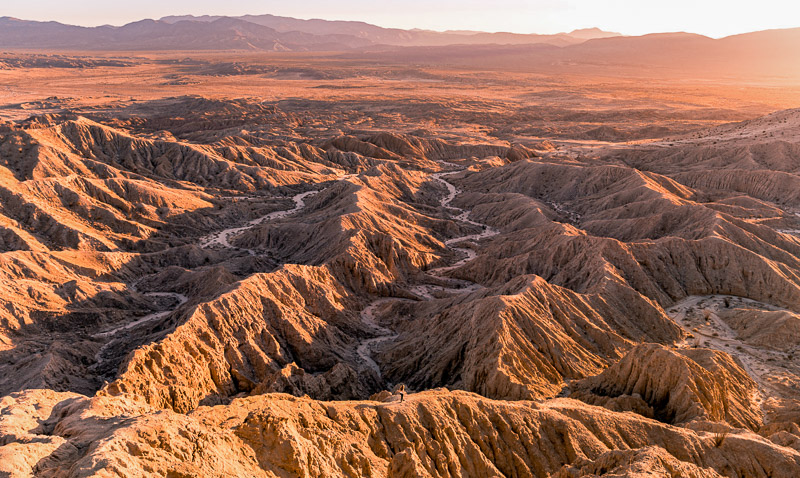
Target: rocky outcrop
520, 341
432, 434
396, 146
635, 463
242, 338
341, 381
676, 386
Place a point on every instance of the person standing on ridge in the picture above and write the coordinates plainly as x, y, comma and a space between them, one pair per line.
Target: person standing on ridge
400, 390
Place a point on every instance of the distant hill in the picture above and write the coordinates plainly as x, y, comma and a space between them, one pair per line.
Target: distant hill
765, 53
251, 32
591, 33
771, 53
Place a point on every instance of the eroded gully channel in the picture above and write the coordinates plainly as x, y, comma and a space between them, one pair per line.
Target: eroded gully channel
221, 239
366, 347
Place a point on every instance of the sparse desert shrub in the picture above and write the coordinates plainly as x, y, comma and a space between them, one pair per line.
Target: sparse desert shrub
719, 437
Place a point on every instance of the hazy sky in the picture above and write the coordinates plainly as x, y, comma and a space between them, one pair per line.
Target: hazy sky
710, 17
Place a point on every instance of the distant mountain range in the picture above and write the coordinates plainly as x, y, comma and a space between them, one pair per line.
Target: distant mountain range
765, 53
220, 34
253, 32
398, 37
769, 53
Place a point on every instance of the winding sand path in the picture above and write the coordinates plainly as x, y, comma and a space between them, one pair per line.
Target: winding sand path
364, 349
426, 291
180, 299
101, 354
222, 238
462, 215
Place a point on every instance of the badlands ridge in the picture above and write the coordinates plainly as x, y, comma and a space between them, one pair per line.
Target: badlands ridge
186, 292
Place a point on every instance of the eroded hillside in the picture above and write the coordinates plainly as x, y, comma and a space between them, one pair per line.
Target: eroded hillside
189, 289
